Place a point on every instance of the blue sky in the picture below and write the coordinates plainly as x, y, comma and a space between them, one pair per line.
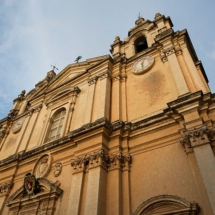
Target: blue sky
37, 33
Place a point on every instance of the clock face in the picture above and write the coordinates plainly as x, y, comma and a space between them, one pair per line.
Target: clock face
17, 125
142, 65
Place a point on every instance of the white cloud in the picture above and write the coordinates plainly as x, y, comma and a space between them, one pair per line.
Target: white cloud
212, 53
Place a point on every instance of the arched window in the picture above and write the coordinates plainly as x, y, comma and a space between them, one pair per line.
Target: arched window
140, 44
56, 125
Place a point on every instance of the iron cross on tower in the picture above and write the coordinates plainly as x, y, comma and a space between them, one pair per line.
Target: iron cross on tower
54, 67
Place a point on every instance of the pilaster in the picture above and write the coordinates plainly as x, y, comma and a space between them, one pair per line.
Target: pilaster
193, 71
4, 192
176, 70
199, 140
74, 202
116, 98
96, 187
102, 93
33, 116
98, 199
22, 132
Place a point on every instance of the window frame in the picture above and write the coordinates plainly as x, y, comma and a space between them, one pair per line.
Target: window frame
59, 125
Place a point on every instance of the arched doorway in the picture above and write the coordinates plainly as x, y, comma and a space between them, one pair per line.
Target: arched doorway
167, 205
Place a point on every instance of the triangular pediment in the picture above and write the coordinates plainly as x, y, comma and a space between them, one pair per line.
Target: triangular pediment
75, 70
71, 72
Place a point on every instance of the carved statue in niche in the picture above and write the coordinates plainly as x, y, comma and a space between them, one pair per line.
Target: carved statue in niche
58, 169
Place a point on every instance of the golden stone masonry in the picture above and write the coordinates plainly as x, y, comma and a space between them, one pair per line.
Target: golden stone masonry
128, 134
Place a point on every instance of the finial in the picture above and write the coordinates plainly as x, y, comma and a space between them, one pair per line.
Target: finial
117, 39
158, 15
139, 20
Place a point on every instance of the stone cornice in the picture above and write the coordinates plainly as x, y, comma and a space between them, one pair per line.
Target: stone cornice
43, 148
164, 33
91, 126
143, 53
185, 99
103, 122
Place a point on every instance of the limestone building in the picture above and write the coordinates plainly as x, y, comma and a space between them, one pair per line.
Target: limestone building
130, 133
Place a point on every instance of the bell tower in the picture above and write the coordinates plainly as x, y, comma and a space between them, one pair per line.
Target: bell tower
172, 52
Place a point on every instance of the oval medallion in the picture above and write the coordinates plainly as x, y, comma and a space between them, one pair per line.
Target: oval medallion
42, 166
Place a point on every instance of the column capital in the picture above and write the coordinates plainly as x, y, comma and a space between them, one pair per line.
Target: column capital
92, 80
119, 161
196, 137
101, 158
119, 77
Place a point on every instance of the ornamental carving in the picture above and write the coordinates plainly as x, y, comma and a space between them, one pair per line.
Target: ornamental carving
105, 74
58, 169
50, 75
119, 57
101, 158
197, 136
119, 77
2, 131
92, 80
18, 125
5, 188
169, 51
119, 161
43, 202
42, 166
12, 114
31, 185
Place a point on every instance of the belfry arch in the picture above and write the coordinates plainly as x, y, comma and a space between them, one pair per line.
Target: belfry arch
140, 44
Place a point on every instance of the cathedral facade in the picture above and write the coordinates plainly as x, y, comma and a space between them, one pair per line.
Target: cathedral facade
131, 133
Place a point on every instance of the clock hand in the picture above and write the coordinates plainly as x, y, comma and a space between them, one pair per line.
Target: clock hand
142, 64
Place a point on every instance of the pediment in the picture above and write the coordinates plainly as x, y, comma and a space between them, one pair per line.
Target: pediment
20, 202
71, 72
75, 70
62, 94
